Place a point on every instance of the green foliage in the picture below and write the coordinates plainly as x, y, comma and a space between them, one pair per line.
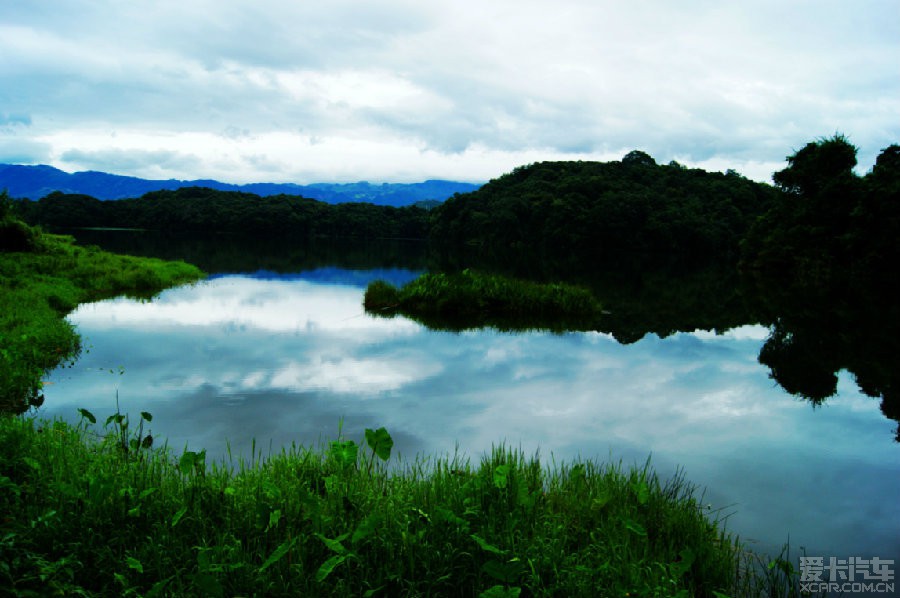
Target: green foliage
816, 167
40, 286
201, 209
84, 517
15, 235
590, 212
380, 442
472, 299
828, 225
381, 296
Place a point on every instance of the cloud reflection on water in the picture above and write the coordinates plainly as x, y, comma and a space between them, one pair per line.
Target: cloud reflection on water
238, 358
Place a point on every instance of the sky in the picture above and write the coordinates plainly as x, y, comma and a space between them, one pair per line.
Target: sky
403, 91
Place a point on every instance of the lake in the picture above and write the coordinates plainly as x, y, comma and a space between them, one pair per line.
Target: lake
275, 348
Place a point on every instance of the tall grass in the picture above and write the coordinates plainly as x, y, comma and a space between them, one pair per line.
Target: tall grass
102, 512
39, 286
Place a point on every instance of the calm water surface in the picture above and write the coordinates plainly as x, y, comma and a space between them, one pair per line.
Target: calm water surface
290, 358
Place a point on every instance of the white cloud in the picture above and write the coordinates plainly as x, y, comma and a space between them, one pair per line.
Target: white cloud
237, 302
405, 91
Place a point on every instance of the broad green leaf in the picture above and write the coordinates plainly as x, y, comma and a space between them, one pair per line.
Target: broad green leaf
191, 461
635, 527
367, 527
501, 592
684, 565
380, 442
344, 453
328, 566
118, 418
602, 500
186, 463
642, 491
335, 544
87, 415
146, 416
274, 518
507, 572
158, 589
278, 554
526, 498
178, 515
135, 564
485, 545
501, 476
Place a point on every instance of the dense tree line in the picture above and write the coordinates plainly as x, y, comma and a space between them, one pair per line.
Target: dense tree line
596, 210
829, 225
202, 209
820, 217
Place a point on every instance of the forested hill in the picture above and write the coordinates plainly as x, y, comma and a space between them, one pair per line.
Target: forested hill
594, 210
35, 182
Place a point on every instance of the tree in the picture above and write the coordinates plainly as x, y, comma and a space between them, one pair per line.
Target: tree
15, 235
818, 165
638, 158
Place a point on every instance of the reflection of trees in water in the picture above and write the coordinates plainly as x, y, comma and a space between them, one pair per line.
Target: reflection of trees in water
814, 332
817, 334
799, 363
639, 296
225, 253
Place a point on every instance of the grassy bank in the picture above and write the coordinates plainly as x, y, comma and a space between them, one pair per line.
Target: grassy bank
44, 277
471, 299
99, 511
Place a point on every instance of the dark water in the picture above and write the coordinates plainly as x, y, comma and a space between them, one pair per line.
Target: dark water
276, 347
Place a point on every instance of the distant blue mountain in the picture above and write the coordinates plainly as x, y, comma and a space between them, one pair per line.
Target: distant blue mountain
34, 182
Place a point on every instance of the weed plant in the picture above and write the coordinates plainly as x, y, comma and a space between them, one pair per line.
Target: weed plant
91, 512
43, 281
472, 299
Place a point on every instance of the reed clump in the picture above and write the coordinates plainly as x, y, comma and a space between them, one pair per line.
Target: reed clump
470, 299
104, 512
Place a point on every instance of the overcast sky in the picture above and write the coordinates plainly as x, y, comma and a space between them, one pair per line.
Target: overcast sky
401, 90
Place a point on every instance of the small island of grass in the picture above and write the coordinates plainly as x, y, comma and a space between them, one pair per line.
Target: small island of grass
470, 299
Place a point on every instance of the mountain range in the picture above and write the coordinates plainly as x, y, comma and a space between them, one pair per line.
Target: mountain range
35, 182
